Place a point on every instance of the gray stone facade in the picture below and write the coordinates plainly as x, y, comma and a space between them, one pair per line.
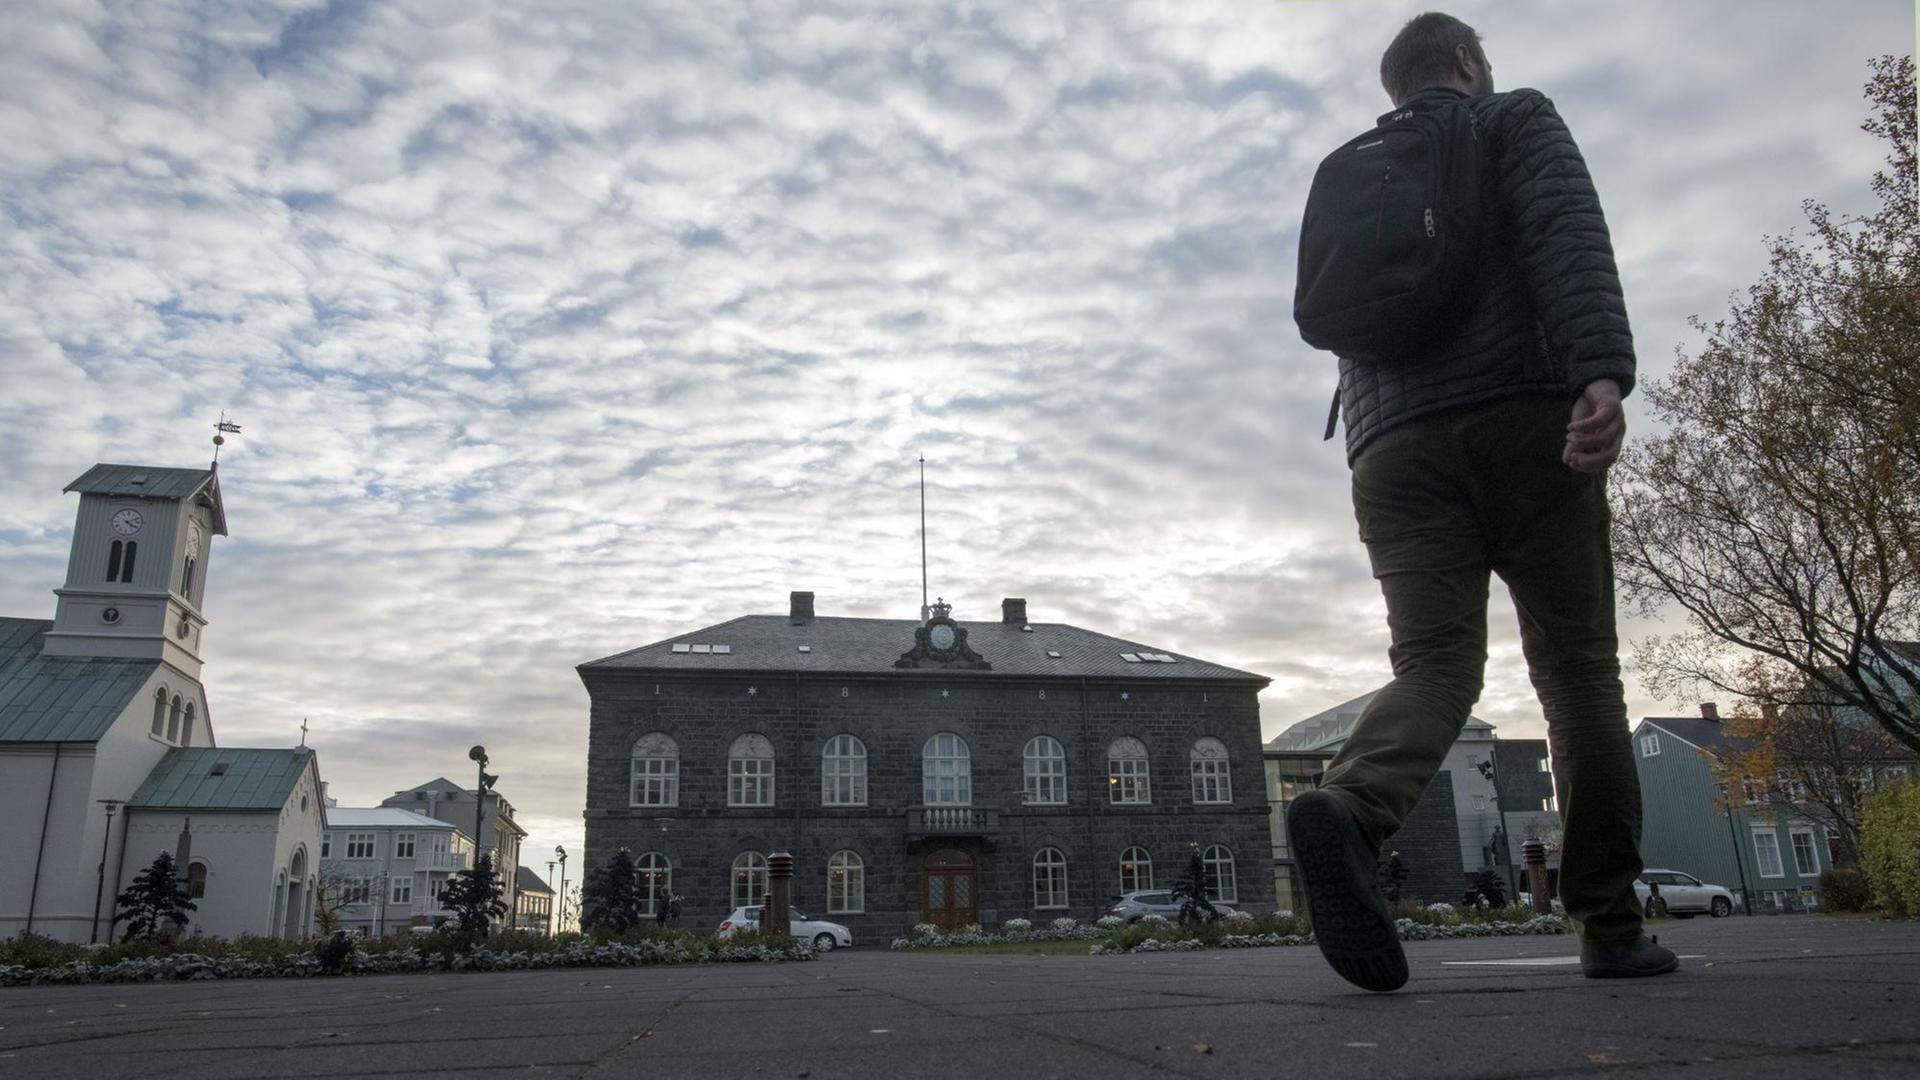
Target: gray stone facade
894, 712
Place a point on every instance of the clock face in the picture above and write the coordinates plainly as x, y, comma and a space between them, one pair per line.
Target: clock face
941, 636
126, 522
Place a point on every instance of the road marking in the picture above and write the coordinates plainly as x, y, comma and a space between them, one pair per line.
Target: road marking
1537, 961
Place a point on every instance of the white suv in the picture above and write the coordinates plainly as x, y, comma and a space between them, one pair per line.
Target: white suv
826, 936
1684, 895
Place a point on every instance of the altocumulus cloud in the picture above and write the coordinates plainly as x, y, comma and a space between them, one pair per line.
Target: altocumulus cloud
559, 328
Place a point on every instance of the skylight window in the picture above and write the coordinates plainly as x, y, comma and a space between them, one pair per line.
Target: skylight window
723, 650
703, 648
1158, 658
682, 647
1052, 654
806, 648
1130, 658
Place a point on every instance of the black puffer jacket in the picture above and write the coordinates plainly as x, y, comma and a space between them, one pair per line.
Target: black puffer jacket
1549, 317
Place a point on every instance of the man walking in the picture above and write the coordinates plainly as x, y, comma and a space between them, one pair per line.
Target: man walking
1484, 451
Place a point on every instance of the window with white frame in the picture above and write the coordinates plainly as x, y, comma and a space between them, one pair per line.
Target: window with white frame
1221, 884
1044, 766
326, 845
1127, 772
403, 845
1805, 860
654, 876
1543, 766
359, 845
160, 712
1650, 745
1766, 851
750, 771
656, 771
1211, 782
186, 726
846, 883
402, 891
197, 881
843, 772
749, 879
946, 771
356, 891
1136, 870
1049, 879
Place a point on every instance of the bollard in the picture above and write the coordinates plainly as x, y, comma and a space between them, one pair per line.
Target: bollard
1535, 854
777, 918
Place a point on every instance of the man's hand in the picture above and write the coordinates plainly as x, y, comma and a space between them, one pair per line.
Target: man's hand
1598, 427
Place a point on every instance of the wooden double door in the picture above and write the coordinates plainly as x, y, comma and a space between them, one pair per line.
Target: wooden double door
949, 891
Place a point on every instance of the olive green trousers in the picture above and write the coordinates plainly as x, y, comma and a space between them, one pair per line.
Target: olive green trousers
1444, 502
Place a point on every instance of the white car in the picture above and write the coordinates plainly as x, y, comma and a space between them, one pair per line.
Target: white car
826, 936
1684, 895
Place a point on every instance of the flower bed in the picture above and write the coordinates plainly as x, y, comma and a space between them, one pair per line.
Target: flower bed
1110, 936
48, 963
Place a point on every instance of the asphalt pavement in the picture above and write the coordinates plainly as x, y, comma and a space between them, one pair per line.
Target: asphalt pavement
1790, 996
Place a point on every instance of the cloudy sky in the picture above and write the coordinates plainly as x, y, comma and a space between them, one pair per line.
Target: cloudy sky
557, 329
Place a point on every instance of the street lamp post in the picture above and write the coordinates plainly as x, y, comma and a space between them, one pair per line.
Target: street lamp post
100, 887
550, 923
560, 852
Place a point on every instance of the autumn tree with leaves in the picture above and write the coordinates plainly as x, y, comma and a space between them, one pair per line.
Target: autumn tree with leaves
1814, 757
1780, 509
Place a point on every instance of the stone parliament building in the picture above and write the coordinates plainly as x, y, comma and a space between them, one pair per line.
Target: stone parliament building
923, 771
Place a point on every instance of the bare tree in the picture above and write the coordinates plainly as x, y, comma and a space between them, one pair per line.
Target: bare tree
1781, 509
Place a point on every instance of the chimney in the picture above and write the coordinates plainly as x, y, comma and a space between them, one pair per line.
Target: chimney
802, 608
1013, 610
1710, 710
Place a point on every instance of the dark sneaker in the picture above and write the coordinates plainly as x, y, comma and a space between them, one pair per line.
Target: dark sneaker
1642, 956
1350, 919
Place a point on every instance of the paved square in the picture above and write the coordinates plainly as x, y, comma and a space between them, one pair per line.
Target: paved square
1760, 997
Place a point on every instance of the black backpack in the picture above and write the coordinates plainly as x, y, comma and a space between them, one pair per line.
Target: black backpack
1392, 236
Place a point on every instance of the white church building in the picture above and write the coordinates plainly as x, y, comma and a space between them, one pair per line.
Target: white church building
107, 748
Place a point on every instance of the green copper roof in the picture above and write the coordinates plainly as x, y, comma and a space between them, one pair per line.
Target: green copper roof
60, 698
210, 778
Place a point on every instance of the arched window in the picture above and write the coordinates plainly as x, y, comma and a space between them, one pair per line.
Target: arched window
846, 883
160, 712
656, 771
1127, 779
1045, 767
750, 772
1220, 882
843, 772
173, 720
196, 881
1049, 879
126, 565
113, 562
186, 726
1136, 870
1211, 782
749, 879
946, 771
186, 569
653, 875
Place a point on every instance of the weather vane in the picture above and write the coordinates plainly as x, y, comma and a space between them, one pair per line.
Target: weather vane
220, 432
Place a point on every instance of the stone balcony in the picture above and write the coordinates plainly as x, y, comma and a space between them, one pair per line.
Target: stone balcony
952, 821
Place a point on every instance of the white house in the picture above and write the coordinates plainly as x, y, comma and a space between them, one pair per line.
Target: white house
99, 707
386, 867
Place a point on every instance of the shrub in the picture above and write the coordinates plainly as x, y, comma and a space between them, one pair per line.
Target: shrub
1844, 889
1890, 847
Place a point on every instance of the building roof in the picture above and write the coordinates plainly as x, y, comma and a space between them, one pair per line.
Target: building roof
525, 880
1328, 730
384, 816
60, 698
444, 786
151, 482
773, 643
212, 778
1701, 732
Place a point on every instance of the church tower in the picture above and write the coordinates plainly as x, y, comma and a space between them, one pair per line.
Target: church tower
137, 573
